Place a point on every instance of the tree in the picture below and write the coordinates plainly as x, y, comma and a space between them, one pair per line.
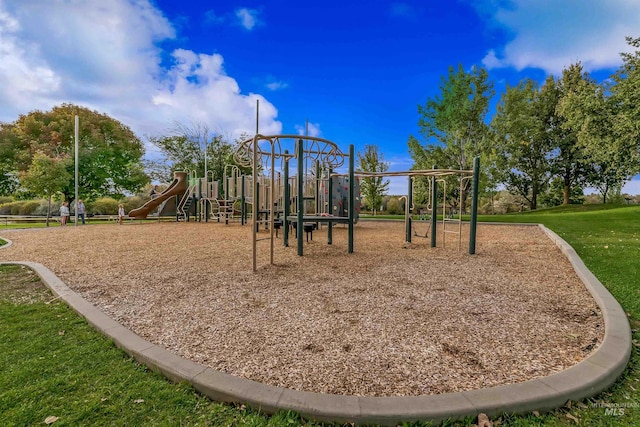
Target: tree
598, 114
46, 176
594, 116
455, 121
625, 95
374, 188
570, 164
522, 146
109, 155
11, 149
555, 194
193, 147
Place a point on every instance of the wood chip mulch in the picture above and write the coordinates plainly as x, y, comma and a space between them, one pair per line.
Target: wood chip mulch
392, 319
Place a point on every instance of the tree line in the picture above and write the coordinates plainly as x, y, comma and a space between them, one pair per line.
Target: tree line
568, 133
37, 155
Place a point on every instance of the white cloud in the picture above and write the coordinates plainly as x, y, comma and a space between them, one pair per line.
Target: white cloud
198, 88
310, 129
491, 60
105, 56
277, 85
551, 35
23, 73
248, 18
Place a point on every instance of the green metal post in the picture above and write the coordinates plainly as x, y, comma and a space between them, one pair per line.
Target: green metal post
300, 155
408, 210
243, 207
474, 206
287, 201
318, 177
352, 195
330, 226
434, 209
198, 207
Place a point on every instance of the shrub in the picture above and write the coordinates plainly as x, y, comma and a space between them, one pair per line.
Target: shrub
5, 199
5, 208
395, 206
11, 208
28, 207
503, 202
134, 202
43, 205
104, 206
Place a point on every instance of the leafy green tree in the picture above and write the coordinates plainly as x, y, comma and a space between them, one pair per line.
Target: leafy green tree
374, 188
192, 148
555, 194
522, 146
593, 114
455, 121
599, 118
109, 156
11, 149
46, 176
625, 94
395, 206
570, 163
8, 179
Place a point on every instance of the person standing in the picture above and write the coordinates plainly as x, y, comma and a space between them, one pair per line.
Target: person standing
81, 210
120, 213
64, 213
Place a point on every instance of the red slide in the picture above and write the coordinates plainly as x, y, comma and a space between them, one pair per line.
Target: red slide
178, 186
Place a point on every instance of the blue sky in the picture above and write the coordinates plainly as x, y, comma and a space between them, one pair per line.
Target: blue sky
355, 69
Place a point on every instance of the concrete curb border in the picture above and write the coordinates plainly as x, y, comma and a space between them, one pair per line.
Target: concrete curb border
592, 375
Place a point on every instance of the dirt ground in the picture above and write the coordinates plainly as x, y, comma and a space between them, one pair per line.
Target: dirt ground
391, 319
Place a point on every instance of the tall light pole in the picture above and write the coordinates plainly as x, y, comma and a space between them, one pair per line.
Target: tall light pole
76, 167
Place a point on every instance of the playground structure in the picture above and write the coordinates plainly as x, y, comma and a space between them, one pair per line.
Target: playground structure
313, 195
273, 199
317, 158
208, 199
435, 178
205, 199
178, 186
309, 198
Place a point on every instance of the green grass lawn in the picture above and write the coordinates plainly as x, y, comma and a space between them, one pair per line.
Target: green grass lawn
53, 364
28, 225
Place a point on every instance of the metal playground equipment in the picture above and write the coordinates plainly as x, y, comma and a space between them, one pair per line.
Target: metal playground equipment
211, 199
315, 159
439, 176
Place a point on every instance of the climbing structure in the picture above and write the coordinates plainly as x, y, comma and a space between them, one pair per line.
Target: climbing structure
297, 198
438, 177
